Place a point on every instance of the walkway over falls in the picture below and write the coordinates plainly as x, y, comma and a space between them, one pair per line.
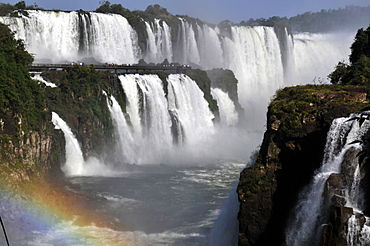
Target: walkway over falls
121, 69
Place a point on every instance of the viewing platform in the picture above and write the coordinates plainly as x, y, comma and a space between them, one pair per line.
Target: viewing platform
120, 69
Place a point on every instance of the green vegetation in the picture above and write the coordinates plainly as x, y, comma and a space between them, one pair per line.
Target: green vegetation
79, 99
19, 94
22, 111
296, 107
358, 71
256, 183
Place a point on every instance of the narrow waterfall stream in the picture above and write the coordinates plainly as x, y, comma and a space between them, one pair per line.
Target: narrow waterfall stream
345, 135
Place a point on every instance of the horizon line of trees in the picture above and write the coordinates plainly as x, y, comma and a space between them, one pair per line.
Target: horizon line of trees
323, 21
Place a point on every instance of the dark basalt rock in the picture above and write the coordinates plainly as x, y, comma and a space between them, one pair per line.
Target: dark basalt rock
298, 120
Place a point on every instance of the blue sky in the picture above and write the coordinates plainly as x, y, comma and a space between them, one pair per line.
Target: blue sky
212, 11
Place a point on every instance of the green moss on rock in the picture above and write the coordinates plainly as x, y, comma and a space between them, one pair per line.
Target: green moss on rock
295, 107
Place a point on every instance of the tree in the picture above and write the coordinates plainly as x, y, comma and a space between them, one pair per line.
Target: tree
156, 9
20, 5
19, 94
358, 71
360, 46
340, 74
104, 7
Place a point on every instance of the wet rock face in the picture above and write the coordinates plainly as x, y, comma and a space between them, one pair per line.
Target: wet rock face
341, 218
334, 230
26, 153
298, 120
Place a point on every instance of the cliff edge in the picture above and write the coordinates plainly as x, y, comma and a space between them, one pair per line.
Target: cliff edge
298, 120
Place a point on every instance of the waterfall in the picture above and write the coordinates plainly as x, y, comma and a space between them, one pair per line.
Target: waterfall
149, 124
261, 60
187, 100
37, 76
309, 213
188, 48
312, 64
228, 114
61, 36
126, 145
74, 164
156, 129
159, 44
210, 47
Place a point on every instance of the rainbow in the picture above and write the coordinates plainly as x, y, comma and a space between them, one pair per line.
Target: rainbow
45, 214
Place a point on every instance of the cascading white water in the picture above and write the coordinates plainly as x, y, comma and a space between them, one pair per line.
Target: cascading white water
211, 52
159, 46
148, 132
254, 54
126, 144
60, 36
228, 114
255, 57
305, 228
316, 55
188, 48
187, 100
113, 40
74, 164
38, 77
149, 124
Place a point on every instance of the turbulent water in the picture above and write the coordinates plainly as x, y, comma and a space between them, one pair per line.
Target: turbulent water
175, 170
344, 135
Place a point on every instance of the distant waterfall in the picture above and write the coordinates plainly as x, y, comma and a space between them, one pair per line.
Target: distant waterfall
187, 47
312, 62
309, 214
61, 36
159, 43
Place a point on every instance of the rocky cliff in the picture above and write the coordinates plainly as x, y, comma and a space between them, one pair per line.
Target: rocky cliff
298, 120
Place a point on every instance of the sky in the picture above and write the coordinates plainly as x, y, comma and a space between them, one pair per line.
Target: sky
212, 11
